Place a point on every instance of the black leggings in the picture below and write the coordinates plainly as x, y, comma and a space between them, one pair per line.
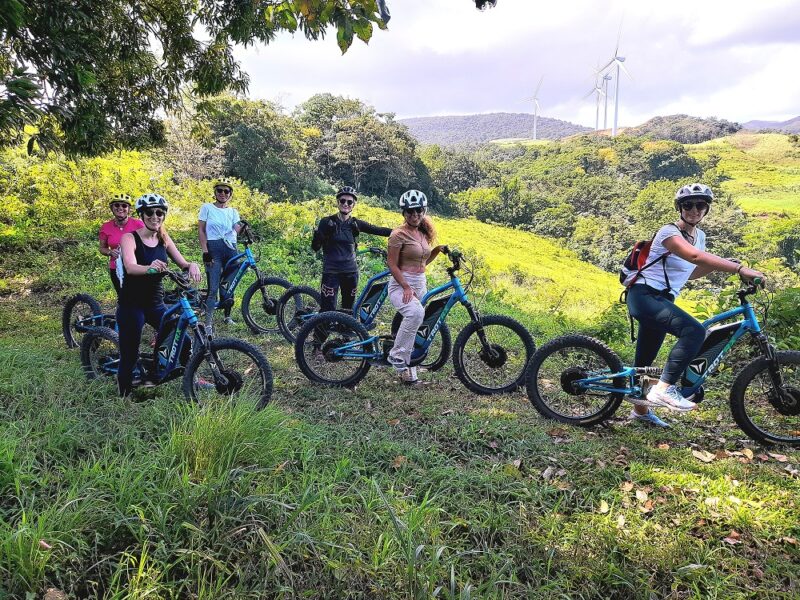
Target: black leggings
130, 322
657, 316
114, 280
331, 282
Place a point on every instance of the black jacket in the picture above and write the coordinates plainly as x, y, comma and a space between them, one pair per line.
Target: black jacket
338, 240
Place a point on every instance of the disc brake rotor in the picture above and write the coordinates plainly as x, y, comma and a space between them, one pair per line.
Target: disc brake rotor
569, 377
495, 356
232, 385
787, 402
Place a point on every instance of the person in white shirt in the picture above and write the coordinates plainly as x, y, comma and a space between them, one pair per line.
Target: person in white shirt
218, 224
651, 298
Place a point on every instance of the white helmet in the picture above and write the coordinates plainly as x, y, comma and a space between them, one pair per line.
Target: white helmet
151, 201
413, 199
693, 190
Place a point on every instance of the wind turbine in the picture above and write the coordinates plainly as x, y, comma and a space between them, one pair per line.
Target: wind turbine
536, 106
617, 61
606, 79
598, 91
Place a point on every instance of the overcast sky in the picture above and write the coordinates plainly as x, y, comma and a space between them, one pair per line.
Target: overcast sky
735, 59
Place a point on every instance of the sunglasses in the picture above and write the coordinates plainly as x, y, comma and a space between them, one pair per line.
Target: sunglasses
347, 202
120, 205
225, 191
415, 211
149, 212
701, 205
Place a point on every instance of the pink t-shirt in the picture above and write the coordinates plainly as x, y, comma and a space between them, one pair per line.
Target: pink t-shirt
112, 234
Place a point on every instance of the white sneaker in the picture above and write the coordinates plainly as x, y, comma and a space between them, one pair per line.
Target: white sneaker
408, 376
228, 321
649, 417
669, 398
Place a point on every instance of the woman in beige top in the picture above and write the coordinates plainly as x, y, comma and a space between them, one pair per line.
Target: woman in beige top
409, 252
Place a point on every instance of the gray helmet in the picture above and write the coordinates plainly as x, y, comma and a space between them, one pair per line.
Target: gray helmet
347, 191
693, 190
413, 199
151, 201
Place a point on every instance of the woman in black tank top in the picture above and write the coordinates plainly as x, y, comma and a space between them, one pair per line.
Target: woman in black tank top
141, 295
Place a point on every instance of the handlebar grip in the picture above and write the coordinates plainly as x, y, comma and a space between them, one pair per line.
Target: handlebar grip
152, 271
758, 281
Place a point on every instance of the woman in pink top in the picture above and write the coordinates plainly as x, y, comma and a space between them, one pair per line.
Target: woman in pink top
111, 232
409, 252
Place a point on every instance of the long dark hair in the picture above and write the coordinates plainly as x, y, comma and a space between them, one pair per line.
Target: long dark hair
427, 229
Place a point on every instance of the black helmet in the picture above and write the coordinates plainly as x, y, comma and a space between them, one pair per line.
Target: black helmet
347, 191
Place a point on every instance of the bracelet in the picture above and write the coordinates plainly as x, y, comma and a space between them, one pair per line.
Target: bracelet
740, 268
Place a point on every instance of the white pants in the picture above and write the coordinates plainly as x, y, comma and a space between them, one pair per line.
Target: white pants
413, 314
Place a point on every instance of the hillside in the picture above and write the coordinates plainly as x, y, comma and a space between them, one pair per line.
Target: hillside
789, 126
477, 129
684, 128
762, 171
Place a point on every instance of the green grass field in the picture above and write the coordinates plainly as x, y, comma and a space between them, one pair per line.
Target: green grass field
764, 170
377, 492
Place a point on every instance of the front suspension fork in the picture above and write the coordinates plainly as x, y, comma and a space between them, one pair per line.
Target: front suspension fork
476, 318
768, 350
204, 346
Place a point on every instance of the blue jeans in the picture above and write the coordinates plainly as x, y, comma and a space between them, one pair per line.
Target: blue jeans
657, 315
220, 253
130, 322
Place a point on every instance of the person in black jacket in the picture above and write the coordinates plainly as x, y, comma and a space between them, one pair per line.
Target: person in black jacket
337, 237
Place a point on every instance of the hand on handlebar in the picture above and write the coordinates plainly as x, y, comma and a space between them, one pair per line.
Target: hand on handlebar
158, 266
756, 277
194, 272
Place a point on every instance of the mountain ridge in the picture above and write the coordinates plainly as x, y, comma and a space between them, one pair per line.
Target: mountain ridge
480, 128
788, 126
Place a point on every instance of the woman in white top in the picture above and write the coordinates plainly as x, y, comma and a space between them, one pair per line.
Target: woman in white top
217, 227
651, 298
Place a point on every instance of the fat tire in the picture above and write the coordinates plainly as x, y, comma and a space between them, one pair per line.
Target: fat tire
561, 343
248, 296
66, 317
308, 330
737, 399
230, 344
86, 349
283, 326
431, 363
469, 330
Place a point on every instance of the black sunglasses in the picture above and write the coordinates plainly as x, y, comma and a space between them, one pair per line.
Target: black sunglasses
346, 202
700, 205
416, 211
120, 205
225, 191
149, 212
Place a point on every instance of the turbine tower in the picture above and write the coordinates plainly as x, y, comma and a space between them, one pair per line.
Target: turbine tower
536, 106
617, 61
606, 79
598, 91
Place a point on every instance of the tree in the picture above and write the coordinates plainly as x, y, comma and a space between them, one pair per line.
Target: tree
262, 146
92, 76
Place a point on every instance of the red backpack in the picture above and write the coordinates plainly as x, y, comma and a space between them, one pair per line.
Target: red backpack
633, 266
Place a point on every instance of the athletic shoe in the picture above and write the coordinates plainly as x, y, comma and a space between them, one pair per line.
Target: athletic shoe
228, 321
669, 398
408, 376
649, 417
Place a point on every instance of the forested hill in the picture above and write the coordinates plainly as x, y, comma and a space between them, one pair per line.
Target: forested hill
476, 129
790, 126
684, 129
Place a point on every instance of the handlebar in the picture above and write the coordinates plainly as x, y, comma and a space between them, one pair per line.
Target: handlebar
246, 233
373, 250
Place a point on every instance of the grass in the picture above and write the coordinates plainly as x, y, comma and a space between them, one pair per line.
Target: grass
763, 170
375, 492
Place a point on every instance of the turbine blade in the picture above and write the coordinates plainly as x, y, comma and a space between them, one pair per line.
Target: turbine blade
536, 93
608, 64
622, 66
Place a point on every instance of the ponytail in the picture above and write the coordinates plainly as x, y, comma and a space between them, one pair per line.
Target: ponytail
427, 229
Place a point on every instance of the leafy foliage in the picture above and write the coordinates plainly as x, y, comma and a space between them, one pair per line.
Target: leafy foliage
93, 77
